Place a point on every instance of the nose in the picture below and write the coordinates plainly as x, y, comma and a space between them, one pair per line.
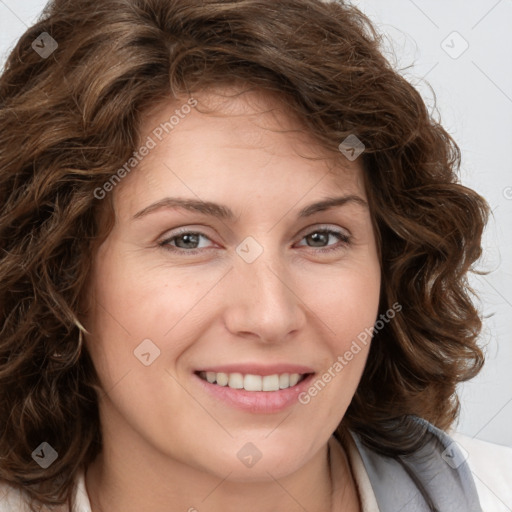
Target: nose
263, 300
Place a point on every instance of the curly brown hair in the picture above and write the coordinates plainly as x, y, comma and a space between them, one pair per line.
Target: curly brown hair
70, 120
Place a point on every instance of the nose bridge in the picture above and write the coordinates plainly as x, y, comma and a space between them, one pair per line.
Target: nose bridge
263, 301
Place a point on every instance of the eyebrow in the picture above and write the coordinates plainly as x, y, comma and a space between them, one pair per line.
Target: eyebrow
223, 212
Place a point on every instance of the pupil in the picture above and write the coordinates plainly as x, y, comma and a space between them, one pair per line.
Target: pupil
318, 237
188, 239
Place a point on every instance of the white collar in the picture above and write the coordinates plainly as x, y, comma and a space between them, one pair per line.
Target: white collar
81, 498
364, 487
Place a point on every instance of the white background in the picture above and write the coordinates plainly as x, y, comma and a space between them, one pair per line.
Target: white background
474, 100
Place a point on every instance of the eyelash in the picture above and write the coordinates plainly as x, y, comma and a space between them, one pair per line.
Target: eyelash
343, 237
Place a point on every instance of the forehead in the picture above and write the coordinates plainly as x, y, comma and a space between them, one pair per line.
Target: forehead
243, 118
249, 140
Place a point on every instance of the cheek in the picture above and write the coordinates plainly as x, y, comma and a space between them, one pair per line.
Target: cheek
348, 311
347, 308
131, 305
347, 302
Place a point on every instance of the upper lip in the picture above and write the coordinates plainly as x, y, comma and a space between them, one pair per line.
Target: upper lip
257, 369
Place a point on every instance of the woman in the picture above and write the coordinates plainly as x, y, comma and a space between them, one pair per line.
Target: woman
234, 265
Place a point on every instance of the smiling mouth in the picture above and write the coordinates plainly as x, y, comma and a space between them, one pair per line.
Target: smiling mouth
251, 382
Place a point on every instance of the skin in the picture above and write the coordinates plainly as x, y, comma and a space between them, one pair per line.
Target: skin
167, 444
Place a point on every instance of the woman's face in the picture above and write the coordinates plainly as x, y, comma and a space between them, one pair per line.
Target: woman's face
246, 277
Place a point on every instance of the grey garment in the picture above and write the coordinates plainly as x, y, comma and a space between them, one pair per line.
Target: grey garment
435, 478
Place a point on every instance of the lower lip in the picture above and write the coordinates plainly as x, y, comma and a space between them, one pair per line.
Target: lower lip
263, 402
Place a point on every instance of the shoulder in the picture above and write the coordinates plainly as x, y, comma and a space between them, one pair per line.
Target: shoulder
491, 467
436, 476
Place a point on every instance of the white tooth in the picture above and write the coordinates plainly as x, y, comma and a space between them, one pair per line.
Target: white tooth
236, 381
294, 378
222, 379
271, 382
284, 381
252, 382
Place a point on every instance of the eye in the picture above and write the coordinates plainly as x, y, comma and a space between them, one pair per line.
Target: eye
189, 242
322, 237
186, 241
